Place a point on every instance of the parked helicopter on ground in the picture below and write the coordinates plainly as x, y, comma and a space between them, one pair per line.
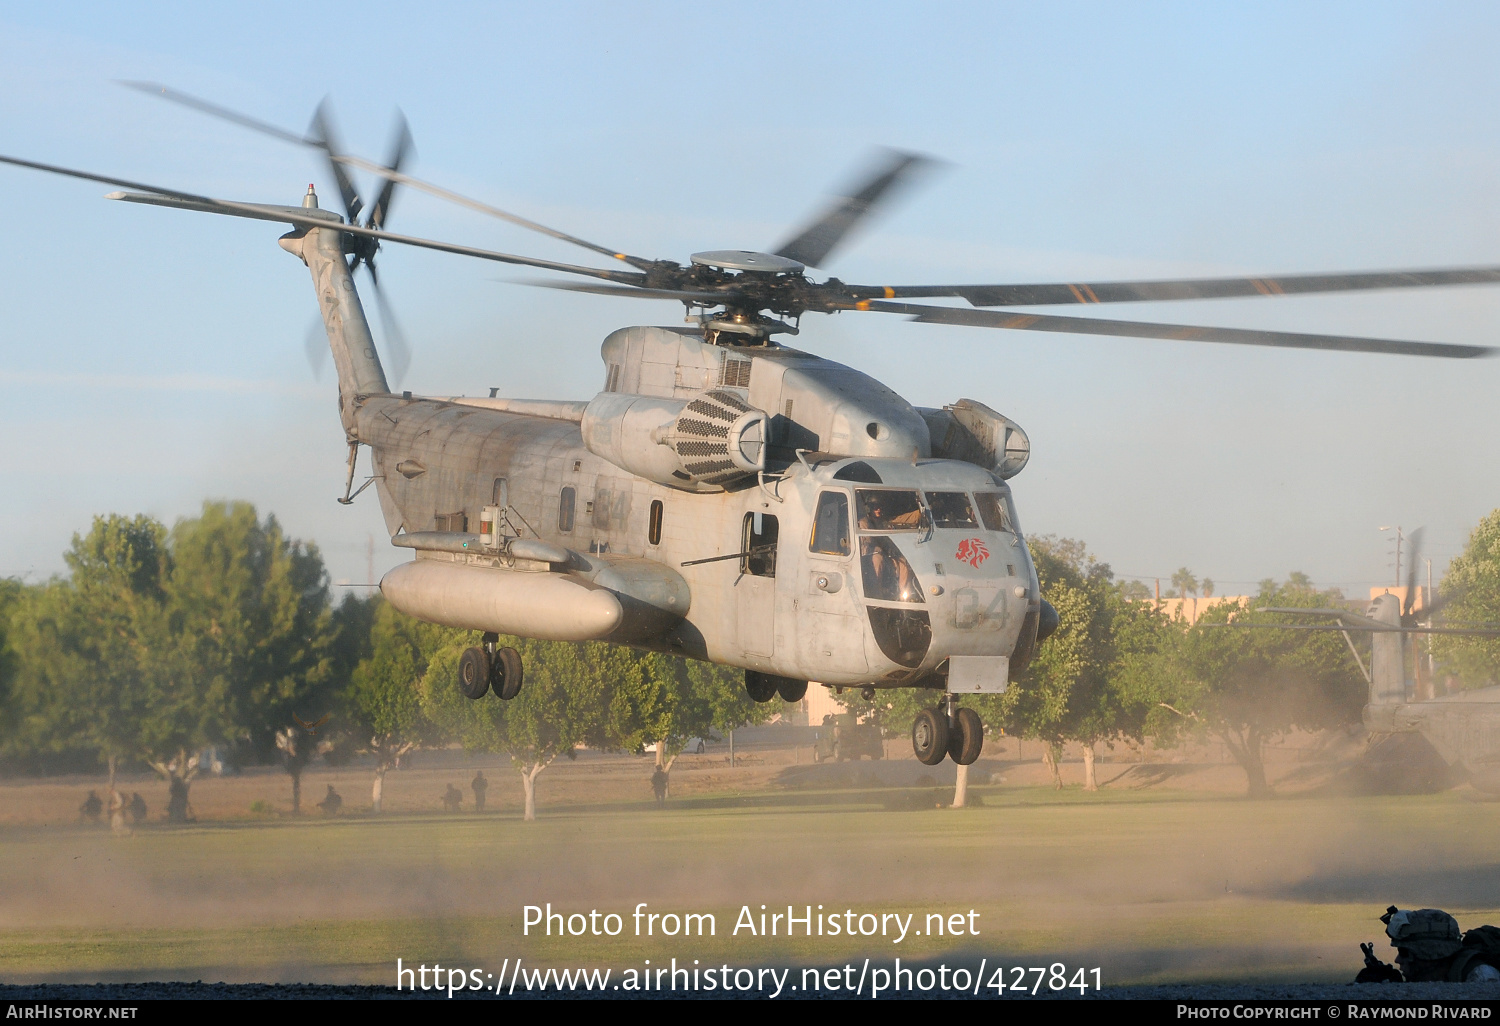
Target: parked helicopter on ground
1462, 729
723, 497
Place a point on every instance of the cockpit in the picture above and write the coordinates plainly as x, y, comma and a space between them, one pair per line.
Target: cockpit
889, 525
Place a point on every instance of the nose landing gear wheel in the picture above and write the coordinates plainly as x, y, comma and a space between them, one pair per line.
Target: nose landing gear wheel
929, 736
474, 672
966, 738
506, 673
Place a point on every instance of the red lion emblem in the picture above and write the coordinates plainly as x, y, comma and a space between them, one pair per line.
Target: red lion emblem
972, 551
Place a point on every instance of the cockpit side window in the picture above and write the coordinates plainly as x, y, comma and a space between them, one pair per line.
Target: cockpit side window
831, 525
994, 510
888, 509
951, 509
888, 577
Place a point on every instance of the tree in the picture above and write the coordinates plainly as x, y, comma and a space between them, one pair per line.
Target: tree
1472, 586
1186, 585
573, 693
673, 699
383, 701
157, 644
1052, 700
91, 649
1246, 686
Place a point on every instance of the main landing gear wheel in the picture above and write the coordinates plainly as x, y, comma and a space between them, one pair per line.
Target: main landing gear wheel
929, 736
966, 737
505, 673
474, 672
761, 687
791, 690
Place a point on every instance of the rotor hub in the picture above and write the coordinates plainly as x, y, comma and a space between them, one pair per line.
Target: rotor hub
748, 260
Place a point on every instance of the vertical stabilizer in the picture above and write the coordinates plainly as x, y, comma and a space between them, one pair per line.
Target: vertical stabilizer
1388, 655
359, 370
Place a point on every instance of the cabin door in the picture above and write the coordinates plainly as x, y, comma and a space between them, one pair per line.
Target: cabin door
756, 585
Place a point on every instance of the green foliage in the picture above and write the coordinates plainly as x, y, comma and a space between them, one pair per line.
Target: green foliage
1472, 584
1246, 686
1091, 680
158, 643
383, 700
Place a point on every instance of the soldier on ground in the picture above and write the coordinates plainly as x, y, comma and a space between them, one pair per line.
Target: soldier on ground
659, 785
452, 798
332, 802
137, 808
480, 786
92, 806
1429, 948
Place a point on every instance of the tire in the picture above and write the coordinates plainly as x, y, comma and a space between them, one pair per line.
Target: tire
791, 690
760, 686
506, 674
474, 673
929, 736
966, 742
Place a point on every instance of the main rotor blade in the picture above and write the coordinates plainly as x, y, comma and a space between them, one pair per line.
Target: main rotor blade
349, 160
813, 244
309, 218
1386, 629
1189, 288
1176, 332
203, 106
681, 295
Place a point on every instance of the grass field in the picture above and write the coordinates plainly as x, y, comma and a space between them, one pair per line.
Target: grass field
1152, 886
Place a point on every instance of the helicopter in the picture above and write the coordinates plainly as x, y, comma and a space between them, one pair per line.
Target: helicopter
724, 497
1463, 729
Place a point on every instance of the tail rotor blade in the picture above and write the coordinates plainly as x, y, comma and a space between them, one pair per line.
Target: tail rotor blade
400, 149
315, 344
397, 350
322, 132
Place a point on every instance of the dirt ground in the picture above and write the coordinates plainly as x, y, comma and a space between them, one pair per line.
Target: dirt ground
767, 757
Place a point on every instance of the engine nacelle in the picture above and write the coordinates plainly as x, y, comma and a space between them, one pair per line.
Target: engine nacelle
972, 432
698, 444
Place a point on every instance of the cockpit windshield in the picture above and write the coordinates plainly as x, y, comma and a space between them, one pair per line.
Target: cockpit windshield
888, 509
951, 509
994, 510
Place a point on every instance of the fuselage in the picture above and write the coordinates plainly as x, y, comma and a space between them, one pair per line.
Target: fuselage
859, 570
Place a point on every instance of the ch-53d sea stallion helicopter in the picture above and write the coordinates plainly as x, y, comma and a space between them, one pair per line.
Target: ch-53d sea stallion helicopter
724, 497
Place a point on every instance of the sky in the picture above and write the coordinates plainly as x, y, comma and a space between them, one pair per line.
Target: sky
153, 359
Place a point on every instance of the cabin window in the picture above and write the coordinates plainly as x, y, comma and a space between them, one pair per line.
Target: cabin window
888, 577
951, 509
565, 503
758, 545
653, 526
889, 509
458, 522
831, 525
994, 510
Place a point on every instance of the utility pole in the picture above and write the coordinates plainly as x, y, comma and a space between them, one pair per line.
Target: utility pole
1399, 539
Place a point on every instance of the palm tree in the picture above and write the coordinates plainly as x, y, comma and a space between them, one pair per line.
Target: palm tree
1187, 585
